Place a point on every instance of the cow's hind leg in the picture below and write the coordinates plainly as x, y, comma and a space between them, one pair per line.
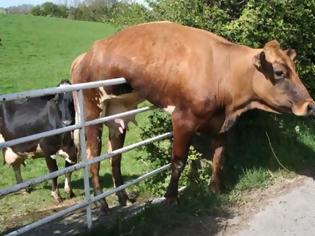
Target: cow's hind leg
94, 143
183, 129
52, 166
116, 141
218, 154
17, 172
18, 176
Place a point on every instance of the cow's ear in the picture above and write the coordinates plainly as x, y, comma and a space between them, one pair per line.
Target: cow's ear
291, 53
258, 60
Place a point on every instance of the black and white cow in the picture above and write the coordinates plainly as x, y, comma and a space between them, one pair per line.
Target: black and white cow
34, 115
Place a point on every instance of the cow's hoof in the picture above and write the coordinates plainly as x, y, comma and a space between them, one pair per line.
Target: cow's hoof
132, 196
28, 189
215, 187
105, 210
122, 199
56, 196
59, 200
71, 195
171, 201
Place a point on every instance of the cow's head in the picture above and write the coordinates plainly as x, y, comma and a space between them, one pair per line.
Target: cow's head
277, 83
65, 105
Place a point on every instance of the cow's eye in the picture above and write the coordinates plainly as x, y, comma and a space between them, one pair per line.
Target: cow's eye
279, 74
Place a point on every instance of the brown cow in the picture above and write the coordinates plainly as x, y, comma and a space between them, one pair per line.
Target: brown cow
207, 80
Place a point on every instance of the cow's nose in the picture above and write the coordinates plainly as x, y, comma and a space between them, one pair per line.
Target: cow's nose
311, 109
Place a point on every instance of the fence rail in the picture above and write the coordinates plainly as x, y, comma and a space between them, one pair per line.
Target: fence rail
84, 163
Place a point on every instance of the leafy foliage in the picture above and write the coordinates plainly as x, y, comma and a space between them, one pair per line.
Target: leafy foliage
49, 9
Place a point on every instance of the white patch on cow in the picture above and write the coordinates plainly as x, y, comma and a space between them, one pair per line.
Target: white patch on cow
76, 133
89, 153
103, 97
67, 183
10, 156
63, 85
169, 109
63, 154
38, 149
1, 139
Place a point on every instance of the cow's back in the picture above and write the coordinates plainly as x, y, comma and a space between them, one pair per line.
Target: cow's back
156, 58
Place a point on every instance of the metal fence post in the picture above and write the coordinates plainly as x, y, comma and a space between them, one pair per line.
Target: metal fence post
87, 195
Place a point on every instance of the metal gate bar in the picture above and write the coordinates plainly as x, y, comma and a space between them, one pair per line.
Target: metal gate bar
85, 203
63, 89
72, 127
81, 165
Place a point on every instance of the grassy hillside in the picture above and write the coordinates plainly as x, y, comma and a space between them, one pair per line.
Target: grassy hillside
37, 52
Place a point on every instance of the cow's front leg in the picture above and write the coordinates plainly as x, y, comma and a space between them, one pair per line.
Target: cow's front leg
183, 129
218, 154
68, 184
116, 141
94, 143
52, 166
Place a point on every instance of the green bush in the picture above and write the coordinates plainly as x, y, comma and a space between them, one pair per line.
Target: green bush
50, 9
124, 14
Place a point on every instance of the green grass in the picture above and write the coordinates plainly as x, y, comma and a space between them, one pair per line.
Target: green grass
37, 52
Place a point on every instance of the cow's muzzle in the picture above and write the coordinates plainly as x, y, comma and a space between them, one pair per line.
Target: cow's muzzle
311, 109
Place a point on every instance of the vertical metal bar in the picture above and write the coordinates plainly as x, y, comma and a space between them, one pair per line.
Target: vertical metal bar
87, 195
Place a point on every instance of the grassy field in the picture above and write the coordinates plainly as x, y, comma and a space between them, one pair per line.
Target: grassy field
37, 52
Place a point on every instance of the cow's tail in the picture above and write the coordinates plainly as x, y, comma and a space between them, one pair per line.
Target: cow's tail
74, 71
74, 65
76, 132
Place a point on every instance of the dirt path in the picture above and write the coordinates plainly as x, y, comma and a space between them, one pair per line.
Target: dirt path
290, 213
285, 208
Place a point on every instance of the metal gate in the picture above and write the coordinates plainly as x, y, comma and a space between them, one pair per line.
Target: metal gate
84, 162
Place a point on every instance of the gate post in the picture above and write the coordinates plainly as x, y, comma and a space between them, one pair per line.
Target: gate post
87, 195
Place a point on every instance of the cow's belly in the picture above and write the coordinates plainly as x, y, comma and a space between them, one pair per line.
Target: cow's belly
12, 156
111, 105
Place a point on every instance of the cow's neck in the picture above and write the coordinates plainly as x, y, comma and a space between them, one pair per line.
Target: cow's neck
241, 97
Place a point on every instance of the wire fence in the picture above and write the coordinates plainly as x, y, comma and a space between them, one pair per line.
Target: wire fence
84, 163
